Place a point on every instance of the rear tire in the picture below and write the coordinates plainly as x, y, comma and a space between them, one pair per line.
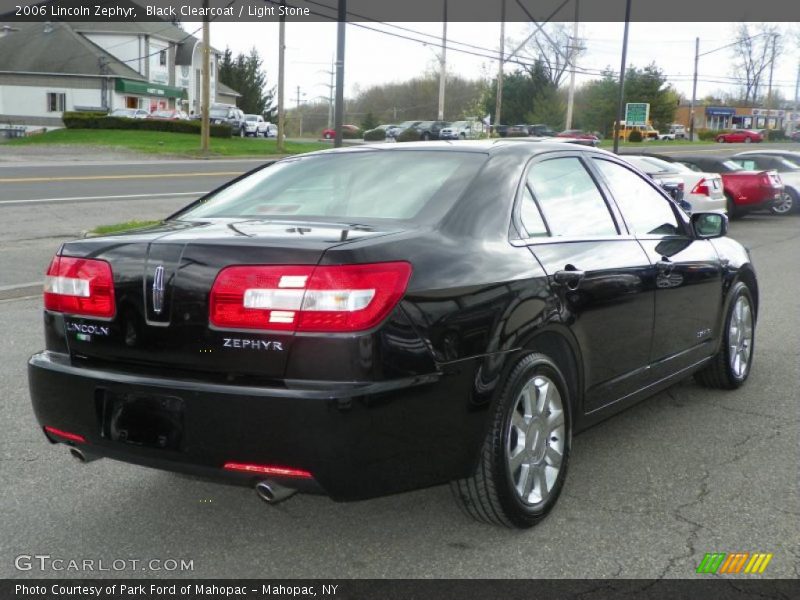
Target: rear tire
786, 205
720, 140
523, 462
747, 140
730, 367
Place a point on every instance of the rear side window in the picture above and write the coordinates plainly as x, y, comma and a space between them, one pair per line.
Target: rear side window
645, 210
569, 199
349, 185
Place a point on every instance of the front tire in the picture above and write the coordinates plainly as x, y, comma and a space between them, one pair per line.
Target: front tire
523, 462
730, 367
720, 140
747, 140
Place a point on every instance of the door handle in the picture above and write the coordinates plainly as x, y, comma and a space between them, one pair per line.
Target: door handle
570, 277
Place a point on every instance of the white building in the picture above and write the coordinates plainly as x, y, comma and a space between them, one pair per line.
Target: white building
49, 68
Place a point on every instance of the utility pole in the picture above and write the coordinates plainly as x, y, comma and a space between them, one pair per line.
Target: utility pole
574, 55
340, 47
795, 116
499, 101
769, 89
694, 88
620, 102
206, 84
281, 70
331, 87
299, 112
443, 64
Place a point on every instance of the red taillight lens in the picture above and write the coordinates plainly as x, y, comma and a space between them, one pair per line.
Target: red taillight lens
336, 298
80, 286
701, 188
72, 437
267, 470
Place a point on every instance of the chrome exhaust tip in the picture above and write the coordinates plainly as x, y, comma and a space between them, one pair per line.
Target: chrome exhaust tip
272, 493
81, 456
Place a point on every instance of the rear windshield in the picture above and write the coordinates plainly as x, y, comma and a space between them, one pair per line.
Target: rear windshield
403, 184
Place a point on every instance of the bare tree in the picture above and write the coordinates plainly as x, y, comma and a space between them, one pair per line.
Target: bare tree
553, 46
753, 52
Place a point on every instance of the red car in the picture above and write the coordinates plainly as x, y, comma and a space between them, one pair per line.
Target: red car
739, 136
590, 139
347, 131
744, 190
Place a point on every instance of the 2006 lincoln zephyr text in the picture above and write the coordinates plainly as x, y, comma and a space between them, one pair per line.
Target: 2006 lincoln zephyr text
366, 321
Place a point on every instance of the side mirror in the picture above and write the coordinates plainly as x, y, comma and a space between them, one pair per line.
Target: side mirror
709, 225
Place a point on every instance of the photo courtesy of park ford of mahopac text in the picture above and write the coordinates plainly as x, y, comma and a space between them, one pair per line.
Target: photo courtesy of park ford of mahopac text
358, 299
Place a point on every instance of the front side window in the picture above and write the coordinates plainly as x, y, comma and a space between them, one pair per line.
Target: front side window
644, 209
569, 199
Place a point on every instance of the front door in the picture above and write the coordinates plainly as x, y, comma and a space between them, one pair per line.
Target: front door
686, 272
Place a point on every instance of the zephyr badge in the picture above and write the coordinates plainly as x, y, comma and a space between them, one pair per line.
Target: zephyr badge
158, 290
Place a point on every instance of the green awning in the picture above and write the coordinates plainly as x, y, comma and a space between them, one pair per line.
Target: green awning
144, 88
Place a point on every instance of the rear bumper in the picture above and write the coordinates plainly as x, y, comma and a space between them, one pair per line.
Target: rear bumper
358, 440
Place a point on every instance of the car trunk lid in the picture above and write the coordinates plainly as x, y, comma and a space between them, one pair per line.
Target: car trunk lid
162, 279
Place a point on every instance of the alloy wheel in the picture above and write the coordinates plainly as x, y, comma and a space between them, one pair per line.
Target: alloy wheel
784, 205
740, 337
535, 440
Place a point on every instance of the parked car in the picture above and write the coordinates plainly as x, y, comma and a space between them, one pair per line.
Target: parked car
795, 136
702, 192
541, 130
227, 114
740, 136
130, 113
394, 130
788, 170
461, 130
744, 190
255, 125
272, 130
519, 130
429, 130
678, 131
168, 115
668, 178
499, 298
791, 155
589, 139
348, 131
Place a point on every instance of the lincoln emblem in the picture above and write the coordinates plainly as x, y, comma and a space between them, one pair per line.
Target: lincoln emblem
158, 290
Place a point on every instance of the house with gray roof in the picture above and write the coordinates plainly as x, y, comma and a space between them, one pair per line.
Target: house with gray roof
49, 68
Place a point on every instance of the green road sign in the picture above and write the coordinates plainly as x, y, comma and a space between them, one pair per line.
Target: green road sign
637, 113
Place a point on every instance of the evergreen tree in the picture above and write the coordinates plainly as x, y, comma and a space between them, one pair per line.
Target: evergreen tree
245, 74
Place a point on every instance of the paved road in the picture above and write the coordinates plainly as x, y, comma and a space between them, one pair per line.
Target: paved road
649, 492
43, 204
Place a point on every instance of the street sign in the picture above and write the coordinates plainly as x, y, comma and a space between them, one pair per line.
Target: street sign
637, 113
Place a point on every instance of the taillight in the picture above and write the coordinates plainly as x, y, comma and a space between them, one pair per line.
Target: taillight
701, 188
79, 286
336, 298
267, 470
72, 437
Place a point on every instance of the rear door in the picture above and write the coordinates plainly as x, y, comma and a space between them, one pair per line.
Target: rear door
596, 269
686, 271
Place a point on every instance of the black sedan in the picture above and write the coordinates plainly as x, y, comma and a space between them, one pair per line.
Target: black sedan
370, 320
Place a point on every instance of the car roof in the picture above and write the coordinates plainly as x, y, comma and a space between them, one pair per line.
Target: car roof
520, 146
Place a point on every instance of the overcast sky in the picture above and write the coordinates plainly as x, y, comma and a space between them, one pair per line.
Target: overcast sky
373, 57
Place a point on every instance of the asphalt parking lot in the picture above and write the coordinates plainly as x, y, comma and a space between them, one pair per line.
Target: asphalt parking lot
649, 492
